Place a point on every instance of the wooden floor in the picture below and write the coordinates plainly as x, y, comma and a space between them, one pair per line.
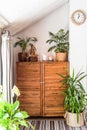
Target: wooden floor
51, 124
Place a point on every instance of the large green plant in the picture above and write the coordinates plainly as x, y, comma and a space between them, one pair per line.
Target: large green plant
75, 95
24, 42
60, 40
11, 117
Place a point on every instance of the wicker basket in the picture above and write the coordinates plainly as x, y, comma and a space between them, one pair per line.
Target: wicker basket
71, 119
85, 117
60, 56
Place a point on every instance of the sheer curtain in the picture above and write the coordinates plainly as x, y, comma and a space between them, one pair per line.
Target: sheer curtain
0, 57
7, 65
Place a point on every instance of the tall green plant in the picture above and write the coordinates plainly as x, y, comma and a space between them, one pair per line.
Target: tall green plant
60, 40
75, 95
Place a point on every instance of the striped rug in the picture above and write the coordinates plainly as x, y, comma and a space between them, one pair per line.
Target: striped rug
59, 124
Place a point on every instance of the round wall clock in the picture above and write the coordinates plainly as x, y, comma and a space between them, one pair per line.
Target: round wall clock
78, 17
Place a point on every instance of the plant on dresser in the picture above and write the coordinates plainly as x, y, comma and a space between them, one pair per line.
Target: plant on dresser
61, 44
23, 43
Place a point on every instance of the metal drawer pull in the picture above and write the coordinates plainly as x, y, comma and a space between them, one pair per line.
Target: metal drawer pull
42, 82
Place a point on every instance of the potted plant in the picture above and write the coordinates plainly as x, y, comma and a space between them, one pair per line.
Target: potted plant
23, 43
11, 117
61, 44
75, 98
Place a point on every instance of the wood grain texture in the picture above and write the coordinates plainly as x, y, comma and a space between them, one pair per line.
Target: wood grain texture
53, 96
41, 92
28, 81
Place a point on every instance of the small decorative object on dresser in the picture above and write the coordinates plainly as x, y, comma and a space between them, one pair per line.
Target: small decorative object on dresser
44, 57
61, 44
23, 43
50, 58
32, 54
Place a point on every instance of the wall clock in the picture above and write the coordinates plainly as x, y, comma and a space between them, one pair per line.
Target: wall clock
78, 17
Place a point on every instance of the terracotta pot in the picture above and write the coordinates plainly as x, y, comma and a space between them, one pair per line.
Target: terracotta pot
71, 119
61, 56
22, 56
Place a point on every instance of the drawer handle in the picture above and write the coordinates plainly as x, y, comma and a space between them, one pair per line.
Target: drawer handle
42, 82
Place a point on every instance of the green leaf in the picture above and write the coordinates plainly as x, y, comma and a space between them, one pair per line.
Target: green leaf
31, 125
23, 123
61, 40
21, 115
15, 105
5, 116
51, 48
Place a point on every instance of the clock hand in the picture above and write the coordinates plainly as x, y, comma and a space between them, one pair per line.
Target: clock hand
78, 16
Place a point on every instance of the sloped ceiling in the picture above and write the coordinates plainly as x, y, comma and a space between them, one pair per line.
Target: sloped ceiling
16, 15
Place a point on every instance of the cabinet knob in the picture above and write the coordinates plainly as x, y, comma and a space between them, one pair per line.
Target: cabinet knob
42, 82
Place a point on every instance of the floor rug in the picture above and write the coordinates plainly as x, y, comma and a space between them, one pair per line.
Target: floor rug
59, 124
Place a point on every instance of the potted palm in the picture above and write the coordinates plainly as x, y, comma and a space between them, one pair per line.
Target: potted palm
11, 117
75, 98
23, 43
61, 44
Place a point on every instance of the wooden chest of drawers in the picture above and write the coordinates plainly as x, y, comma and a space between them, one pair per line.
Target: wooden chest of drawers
38, 82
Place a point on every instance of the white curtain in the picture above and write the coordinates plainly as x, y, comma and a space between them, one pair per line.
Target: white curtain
0, 58
7, 65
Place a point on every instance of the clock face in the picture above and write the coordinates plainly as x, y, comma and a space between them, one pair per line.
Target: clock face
78, 17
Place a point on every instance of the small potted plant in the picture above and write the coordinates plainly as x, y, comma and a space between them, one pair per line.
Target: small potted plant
75, 98
23, 43
11, 117
61, 44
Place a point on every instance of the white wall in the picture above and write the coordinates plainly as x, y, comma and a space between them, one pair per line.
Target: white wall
53, 22
78, 39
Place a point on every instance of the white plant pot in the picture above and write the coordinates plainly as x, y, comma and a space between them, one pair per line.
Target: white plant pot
71, 119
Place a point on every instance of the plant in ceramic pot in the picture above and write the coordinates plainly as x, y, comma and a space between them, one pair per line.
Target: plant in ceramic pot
23, 43
75, 98
11, 117
61, 44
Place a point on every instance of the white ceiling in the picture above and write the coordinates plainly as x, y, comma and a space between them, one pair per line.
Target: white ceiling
18, 14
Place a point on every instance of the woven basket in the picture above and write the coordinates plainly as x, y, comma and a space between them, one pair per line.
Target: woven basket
71, 119
61, 56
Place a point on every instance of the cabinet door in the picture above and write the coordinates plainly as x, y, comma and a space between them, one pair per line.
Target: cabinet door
28, 81
53, 97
